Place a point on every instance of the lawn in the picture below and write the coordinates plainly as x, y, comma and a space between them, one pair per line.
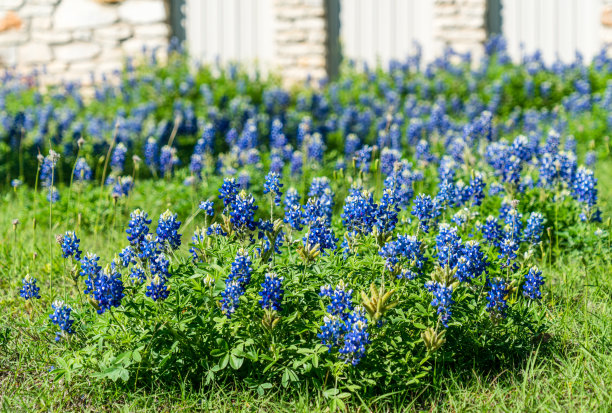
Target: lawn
403, 238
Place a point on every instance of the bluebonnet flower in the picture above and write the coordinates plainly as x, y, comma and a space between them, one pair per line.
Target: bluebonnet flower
148, 248
448, 245
585, 187
70, 245
273, 185
151, 151
590, 158
228, 191
423, 152
320, 233
534, 228
272, 292
386, 213
359, 212
53, 195
549, 172
315, 147
61, 318
196, 165
277, 137
496, 189
355, 338
138, 227
388, 158
248, 138
137, 273
341, 299
514, 224
251, 157
331, 331
244, 180
319, 187
476, 189
215, 229
276, 163
157, 289
425, 210
243, 213
90, 269
160, 267
351, 145
108, 290
405, 248
471, 263
297, 162
208, 207
122, 186
509, 248
167, 160
511, 172
294, 216
118, 157
167, 230
82, 171
16, 183
47, 168
127, 256
533, 281
29, 289
363, 158
236, 282
443, 299
497, 304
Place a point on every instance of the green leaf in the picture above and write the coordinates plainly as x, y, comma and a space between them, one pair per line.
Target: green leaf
236, 362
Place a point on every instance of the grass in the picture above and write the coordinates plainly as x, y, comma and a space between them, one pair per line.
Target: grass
570, 369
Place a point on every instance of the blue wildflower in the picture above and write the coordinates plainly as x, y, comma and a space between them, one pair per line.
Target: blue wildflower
157, 289
138, 227
228, 191
82, 171
30, 289
273, 185
208, 207
425, 210
497, 304
108, 290
70, 245
167, 230
442, 298
61, 318
127, 256
534, 228
341, 299
272, 292
533, 281
355, 338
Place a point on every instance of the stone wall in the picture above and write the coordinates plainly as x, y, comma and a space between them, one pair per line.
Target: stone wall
461, 24
70, 39
300, 39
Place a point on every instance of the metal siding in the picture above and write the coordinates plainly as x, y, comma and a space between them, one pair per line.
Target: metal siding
557, 28
374, 31
230, 31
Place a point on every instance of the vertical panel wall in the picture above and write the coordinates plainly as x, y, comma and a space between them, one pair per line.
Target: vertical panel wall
230, 30
558, 28
382, 30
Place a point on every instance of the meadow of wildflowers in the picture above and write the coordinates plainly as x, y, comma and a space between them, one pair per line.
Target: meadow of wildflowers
381, 239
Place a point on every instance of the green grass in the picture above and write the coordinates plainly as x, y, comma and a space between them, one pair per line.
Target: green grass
569, 369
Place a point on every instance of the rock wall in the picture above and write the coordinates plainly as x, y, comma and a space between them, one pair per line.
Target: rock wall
462, 25
301, 39
70, 39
